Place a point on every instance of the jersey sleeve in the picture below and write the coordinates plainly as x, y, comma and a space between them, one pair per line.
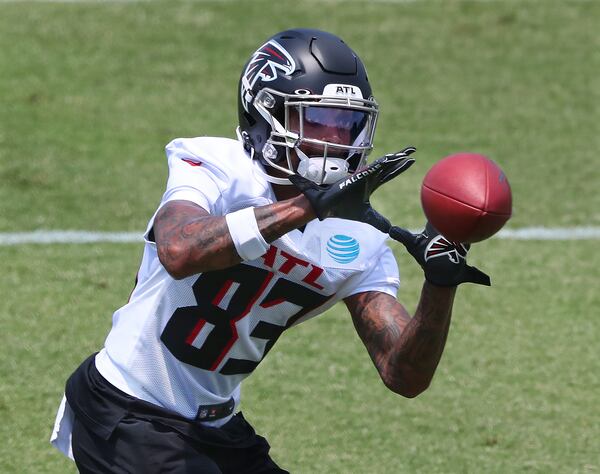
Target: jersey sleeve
382, 276
193, 177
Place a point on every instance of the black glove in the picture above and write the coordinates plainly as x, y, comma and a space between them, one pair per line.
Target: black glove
349, 197
444, 262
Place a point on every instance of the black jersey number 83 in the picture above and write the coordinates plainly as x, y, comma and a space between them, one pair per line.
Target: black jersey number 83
250, 284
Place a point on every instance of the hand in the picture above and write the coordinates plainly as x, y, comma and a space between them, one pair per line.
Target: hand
443, 262
349, 198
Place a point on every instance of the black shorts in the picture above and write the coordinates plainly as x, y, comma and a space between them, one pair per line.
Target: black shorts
116, 433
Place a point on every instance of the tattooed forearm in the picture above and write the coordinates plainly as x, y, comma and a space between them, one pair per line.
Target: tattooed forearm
186, 234
425, 337
378, 323
280, 218
405, 350
189, 240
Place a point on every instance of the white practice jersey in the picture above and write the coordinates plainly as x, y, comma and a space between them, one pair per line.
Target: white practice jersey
185, 343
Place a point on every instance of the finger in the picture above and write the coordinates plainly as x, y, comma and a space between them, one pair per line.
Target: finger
474, 275
389, 160
394, 164
405, 152
396, 167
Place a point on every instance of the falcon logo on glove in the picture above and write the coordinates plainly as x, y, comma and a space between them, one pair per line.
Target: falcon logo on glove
440, 246
428, 245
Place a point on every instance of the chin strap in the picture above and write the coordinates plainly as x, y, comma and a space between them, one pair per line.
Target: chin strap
271, 179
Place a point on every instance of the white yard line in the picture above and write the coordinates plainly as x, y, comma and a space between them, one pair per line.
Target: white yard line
90, 237
551, 233
73, 1
241, 1
67, 237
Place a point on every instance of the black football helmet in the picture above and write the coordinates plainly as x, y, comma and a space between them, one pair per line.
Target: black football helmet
306, 91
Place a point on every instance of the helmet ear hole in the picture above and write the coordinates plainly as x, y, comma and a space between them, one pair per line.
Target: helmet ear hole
246, 140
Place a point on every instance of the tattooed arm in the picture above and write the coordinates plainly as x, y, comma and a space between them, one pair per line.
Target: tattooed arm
189, 240
405, 350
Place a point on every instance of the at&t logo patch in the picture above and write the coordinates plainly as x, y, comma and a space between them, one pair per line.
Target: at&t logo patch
342, 248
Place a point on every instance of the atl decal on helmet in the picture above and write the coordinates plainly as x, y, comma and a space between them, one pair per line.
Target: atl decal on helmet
264, 64
441, 246
342, 248
344, 90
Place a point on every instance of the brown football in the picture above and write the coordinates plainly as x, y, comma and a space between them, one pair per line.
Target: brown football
466, 197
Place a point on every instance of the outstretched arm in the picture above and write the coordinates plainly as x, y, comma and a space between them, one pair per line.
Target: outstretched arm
189, 240
405, 350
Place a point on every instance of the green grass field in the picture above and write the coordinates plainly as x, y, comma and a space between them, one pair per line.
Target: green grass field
91, 92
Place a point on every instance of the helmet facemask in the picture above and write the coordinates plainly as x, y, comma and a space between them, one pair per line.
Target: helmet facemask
323, 137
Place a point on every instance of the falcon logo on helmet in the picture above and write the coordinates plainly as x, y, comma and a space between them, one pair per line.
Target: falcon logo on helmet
264, 64
440, 246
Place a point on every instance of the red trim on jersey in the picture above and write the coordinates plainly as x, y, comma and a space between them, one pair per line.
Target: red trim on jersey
224, 289
232, 322
305, 311
268, 304
192, 162
190, 339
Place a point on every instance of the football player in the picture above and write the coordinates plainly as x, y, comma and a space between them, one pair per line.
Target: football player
254, 236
